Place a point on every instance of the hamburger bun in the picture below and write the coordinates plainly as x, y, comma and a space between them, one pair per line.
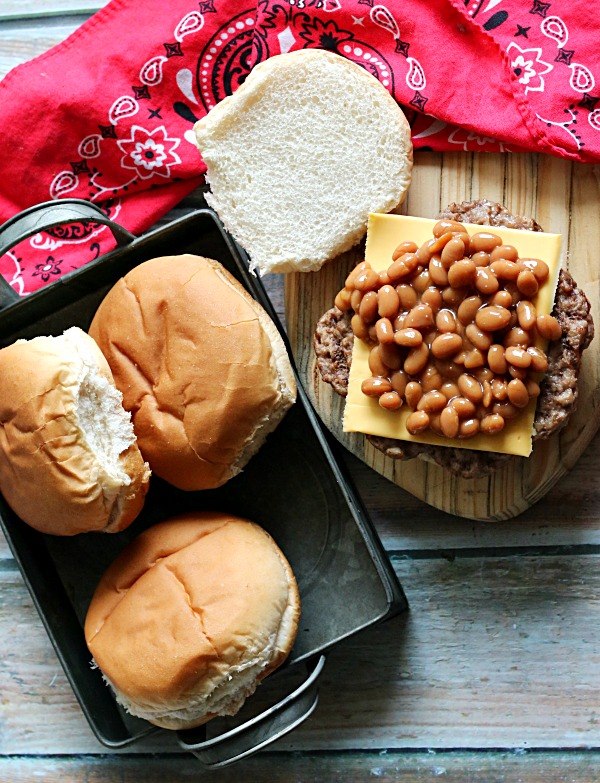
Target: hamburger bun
201, 366
69, 462
191, 616
299, 156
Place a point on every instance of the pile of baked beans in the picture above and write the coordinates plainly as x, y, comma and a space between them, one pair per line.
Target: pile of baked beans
452, 328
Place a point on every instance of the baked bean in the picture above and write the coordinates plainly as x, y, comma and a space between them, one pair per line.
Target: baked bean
445, 321
516, 336
470, 388
517, 356
413, 393
449, 422
432, 297
499, 389
448, 369
432, 402
417, 422
376, 364
484, 240
480, 259
355, 272
548, 327
391, 401
533, 388
483, 374
502, 298
453, 296
506, 409
507, 252
505, 269
420, 317
359, 327
422, 281
399, 380
474, 359
468, 428
459, 358
453, 251
491, 318
444, 226
490, 425
366, 280
526, 314
384, 331
450, 390
464, 407
468, 309
437, 273
404, 247
388, 302
517, 393
356, 299
342, 300
431, 380
384, 278
407, 295
398, 322
439, 243
375, 387
527, 283
514, 292
462, 273
416, 360
486, 282
496, 359
446, 345
488, 396
539, 361
410, 338
368, 307
372, 333
517, 372
539, 268
391, 356
403, 267
424, 253
479, 339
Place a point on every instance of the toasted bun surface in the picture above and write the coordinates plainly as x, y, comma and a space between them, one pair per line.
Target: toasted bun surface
69, 462
191, 616
202, 367
300, 155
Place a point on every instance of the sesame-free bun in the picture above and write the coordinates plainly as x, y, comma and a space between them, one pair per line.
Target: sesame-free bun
69, 462
202, 367
300, 154
191, 616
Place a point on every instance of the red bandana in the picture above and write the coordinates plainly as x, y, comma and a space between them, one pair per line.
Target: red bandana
108, 114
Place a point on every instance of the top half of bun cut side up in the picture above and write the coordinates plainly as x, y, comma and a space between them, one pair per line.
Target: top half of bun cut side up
277, 186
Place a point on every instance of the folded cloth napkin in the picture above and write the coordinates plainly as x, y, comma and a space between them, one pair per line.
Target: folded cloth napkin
108, 114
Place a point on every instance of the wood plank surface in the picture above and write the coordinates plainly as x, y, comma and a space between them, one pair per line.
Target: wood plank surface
496, 652
385, 767
563, 197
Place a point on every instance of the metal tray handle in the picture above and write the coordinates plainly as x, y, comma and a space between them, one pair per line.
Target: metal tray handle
256, 733
51, 214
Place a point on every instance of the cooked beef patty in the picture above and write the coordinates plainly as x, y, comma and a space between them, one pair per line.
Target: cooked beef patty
558, 395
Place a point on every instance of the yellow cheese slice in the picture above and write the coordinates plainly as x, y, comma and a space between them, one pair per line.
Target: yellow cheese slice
364, 414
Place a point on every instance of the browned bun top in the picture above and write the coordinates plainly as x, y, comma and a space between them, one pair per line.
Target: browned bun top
202, 368
69, 462
191, 616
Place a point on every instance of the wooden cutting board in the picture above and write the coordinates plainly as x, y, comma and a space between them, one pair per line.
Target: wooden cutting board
564, 198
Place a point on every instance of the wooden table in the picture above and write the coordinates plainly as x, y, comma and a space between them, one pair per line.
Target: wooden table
494, 675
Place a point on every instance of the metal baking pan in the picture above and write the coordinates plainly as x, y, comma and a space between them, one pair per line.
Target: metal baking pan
296, 487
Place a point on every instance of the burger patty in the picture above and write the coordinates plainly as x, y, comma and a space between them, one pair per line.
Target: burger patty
558, 391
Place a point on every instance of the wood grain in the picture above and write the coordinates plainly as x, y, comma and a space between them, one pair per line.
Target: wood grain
562, 196
386, 767
496, 652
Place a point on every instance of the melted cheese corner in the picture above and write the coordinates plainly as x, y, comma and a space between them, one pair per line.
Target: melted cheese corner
364, 414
